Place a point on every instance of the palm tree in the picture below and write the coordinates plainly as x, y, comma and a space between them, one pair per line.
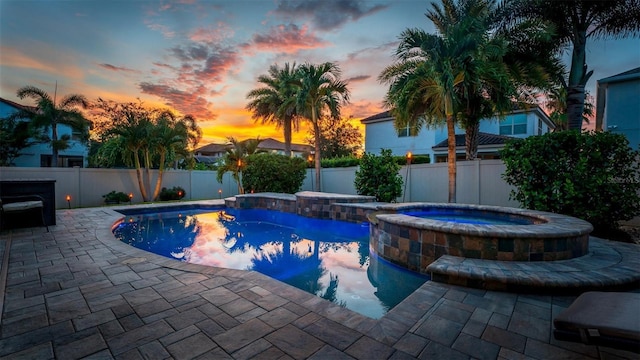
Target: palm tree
427, 79
275, 103
50, 114
235, 159
172, 136
320, 89
557, 104
144, 137
504, 67
576, 22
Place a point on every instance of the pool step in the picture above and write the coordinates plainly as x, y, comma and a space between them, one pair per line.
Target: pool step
609, 265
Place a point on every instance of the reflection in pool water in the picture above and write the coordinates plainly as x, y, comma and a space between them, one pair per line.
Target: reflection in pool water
327, 258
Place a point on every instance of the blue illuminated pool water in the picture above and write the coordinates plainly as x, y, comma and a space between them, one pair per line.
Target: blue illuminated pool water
330, 259
468, 216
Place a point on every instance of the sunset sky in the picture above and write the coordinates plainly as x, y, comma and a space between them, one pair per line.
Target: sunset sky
202, 57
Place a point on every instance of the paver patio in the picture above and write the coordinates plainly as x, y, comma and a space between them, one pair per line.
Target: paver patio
76, 292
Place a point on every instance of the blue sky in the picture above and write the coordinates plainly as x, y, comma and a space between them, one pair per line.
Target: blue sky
202, 57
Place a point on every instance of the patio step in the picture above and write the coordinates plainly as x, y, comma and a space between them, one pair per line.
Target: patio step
609, 265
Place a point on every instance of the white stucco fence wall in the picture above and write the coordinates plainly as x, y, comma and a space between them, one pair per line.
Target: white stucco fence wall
478, 182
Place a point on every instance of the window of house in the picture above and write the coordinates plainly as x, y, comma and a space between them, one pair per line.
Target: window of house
76, 135
407, 131
514, 125
540, 127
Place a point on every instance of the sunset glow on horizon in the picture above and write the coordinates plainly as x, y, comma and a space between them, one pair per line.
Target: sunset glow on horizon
202, 57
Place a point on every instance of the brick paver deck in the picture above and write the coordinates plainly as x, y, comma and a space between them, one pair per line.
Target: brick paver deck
76, 292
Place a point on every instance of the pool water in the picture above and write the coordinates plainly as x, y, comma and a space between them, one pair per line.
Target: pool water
330, 259
468, 217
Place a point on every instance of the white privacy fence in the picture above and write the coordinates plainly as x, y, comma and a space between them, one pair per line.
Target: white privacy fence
478, 182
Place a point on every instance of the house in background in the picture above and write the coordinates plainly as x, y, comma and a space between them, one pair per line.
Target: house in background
618, 105
381, 134
40, 155
212, 153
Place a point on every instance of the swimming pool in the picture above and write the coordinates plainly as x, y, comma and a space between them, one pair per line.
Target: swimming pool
328, 258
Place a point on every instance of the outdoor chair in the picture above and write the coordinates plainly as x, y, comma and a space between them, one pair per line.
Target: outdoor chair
610, 319
22, 205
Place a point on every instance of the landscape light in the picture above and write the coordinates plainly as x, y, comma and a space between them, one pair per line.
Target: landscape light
69, 201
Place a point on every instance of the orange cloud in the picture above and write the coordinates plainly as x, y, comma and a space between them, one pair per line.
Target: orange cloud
286, 38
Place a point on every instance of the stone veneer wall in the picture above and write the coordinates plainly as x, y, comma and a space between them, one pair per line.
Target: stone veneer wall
352, 208
352, 212
319, 205
415, 248
269, 201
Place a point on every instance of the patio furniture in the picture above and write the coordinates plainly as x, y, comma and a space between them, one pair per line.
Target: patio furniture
46, 188
22, 205
610, 319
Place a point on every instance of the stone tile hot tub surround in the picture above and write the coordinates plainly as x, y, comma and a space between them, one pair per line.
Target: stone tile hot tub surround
414, 242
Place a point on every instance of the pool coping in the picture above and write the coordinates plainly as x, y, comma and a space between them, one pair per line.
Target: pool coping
554, 224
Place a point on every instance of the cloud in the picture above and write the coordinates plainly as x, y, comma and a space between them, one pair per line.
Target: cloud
358, 78
287, 39
165, 30
210, 35
117, 68
186, 102
326, 14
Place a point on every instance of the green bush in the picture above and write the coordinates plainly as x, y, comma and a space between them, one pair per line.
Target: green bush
346, 161
175, 193
273, 173
592, 176
115, 197
378, 176
415, 159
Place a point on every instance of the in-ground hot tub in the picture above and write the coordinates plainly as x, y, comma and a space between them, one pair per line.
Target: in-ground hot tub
416, 234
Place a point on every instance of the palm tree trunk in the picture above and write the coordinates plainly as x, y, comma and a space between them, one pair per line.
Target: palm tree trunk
156, 192
147, 170
316, 130
287, 136
54, 148
578, 78
451, 157
143, 190
471, 140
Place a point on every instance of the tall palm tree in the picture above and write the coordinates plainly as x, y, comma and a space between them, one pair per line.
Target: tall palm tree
320, 89
575, 22
275, 102
427, 79
50, 114
504, 67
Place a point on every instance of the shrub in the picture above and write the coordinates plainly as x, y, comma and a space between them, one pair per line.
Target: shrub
175, 193
592, 176
273, 173
346, 161
415, 159
378, 176
115, 197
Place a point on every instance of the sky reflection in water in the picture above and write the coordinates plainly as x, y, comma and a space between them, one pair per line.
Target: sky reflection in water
327, 258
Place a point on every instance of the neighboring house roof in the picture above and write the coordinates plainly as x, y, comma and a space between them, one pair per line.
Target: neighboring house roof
19, 106
601, 90
266, 144
386, 116
484, 139
211, 149
627, 75
273, 144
